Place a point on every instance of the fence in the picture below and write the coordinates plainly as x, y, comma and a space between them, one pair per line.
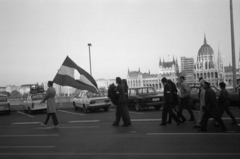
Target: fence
57, 99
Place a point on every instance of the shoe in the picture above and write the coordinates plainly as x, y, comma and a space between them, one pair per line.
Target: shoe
191, 120
178, 123
163, 124
169, 122
129, 124
55, 126
43, 124
202, 130
124, 125
216, 125
224, 130
233, 123
196, 126
114, 124
183, 121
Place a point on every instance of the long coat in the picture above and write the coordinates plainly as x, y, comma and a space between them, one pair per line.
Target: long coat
211, 103
50, 97
168, 98
224, 99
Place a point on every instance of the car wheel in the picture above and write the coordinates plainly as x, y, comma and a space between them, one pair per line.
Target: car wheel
137, 107
75, 107
85, 109
9, 112
29, 111
106, 109
157, 107
196, 105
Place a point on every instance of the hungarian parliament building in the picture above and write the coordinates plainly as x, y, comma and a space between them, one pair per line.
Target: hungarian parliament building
206, 66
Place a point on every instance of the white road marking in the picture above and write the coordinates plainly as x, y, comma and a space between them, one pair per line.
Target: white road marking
135, 112
203, 133
120, 154
70, 112
38, 135
25, 114
84, 121
7, 147
225, 118
25, 123
73, 127
128, 111
146, 119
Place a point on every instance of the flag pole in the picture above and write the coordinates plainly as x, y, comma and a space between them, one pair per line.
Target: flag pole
60, 96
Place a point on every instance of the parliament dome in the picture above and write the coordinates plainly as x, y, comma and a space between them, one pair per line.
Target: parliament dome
205, 49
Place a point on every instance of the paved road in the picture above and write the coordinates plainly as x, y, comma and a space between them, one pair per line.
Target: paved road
92, 136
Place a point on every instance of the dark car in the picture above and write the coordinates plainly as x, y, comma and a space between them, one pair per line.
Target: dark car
143, 97
194, 99
234, 95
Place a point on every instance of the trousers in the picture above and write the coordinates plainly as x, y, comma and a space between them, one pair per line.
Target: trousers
121, 112
54, 119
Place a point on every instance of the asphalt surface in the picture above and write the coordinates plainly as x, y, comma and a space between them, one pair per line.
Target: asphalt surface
92, 136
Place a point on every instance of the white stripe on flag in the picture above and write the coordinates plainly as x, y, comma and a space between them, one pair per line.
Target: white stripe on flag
64, 70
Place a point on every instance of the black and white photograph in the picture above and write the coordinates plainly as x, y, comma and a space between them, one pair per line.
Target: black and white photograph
114, 79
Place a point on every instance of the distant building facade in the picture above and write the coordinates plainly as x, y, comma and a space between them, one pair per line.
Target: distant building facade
170, 70
187, 68
139, 79
207, 67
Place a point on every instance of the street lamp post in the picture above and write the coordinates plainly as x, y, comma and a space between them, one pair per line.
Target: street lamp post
233, 46
89, 45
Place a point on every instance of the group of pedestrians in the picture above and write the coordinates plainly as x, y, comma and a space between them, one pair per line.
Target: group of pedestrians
173, 107
209, 106
119, 97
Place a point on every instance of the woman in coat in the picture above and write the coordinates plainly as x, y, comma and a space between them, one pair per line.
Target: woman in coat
51, 107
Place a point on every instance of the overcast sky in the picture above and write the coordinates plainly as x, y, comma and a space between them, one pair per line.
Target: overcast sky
37, 35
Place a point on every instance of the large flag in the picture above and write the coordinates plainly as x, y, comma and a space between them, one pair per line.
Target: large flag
66, 76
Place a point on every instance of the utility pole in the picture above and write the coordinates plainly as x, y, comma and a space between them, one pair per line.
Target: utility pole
89, 45
233, 47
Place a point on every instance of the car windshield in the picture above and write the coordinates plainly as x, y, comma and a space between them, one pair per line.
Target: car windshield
146, 90
95, 95
3, 99
37, 97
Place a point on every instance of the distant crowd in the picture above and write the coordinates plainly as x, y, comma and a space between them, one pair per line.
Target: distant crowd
210, 107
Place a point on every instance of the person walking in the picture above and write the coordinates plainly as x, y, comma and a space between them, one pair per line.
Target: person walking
51, 108
184, 100
175, 99
224, 102
121, 104
124, 81
201, 95
211, 110
168, 102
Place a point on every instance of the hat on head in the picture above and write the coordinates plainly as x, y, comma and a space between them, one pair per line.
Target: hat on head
207, 83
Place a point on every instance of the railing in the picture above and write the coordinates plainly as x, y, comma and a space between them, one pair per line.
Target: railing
57, 99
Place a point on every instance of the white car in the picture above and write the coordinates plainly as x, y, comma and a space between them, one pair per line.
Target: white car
33, 103
91, 101
4, 104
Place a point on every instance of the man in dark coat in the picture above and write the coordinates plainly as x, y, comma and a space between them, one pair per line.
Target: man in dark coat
121, 104
224, 102
175, 99
124, 81
211, 110
168, 102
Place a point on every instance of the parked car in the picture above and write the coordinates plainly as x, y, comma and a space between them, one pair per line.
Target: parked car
194, 99
4, 104
234, 95
143, 97
91, 101
32, 103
